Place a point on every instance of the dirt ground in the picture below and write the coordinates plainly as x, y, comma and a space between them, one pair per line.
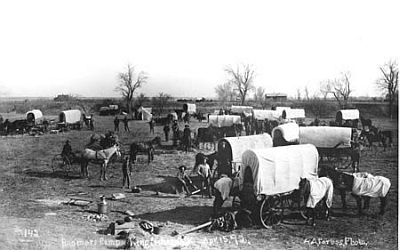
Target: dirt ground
33, 216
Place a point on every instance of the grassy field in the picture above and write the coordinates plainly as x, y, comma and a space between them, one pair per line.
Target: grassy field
32, 215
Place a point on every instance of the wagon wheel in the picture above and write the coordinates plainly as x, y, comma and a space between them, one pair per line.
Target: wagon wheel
58, 162
270, 213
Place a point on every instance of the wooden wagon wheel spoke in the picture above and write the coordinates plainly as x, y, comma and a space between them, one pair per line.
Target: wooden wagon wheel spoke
270, 213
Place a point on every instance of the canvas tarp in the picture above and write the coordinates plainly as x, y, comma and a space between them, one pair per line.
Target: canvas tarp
241, 109
366, 184
146, 113
189, 108
325, 137
174, 116
279, 169
349, 114
34, 115
224, 120
261, 114
70, 116
294, 113
242, 143
289, 132
281, 109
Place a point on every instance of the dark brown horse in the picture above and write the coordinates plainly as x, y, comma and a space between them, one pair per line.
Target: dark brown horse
323, 190
144, 147
344, 182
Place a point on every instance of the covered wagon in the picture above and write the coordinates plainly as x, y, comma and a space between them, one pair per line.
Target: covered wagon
281, 109
230, 150
347, 118
189, 108
334, 143
70, 119
224, 120
262, 114
270, 176
285, 134
239, 110
34, 117
293, 114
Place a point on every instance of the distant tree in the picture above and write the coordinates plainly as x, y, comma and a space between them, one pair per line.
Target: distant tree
225, 92
306, 93
340, 88
160, 101
129, 83
388, 83
140, 100
298, 96
242, 78
259, 97
324, 89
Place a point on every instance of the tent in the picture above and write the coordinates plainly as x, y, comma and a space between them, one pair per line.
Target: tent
293, 114
326, 137
237, 145
261, 114
224, 120
247, 110
35, 116
285, 133
146, 113
72, 116
189, 108
278, 170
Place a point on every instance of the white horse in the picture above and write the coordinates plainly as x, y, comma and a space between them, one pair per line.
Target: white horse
98, 157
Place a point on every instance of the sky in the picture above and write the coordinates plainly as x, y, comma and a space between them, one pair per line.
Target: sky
79, 47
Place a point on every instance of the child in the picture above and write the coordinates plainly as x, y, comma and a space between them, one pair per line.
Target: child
126, 172
183, 178
205, 173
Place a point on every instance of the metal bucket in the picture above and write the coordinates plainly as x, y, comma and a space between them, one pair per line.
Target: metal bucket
102, 208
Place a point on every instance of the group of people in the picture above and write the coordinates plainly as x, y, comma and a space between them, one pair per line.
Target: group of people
222, 188
186, 137
116, 124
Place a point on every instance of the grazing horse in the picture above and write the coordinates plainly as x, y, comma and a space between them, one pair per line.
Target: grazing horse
362, 186
145, 147
98, 157
317, 194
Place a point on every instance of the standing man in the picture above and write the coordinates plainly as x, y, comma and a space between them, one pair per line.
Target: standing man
66, 152
91, 122
175, 131
116, 124
126, 123
166, 131
205, 174
151, 123
126, 172
187, 139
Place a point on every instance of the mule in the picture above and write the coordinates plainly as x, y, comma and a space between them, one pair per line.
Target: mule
344, 182
144, 147
101, 157
317, 194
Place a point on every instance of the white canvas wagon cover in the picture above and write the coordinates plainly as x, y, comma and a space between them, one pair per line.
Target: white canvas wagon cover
262, 114
224, 120
289, 132
241, 109
294, 113
348, 114
279, 169
70, 116
189, 108
34, 114
242, 143
325, 137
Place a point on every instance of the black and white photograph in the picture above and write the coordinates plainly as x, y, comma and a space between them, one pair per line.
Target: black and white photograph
180, 124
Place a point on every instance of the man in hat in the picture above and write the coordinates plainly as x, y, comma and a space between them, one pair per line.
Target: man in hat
204, 172
183, 179
166, 131
126, 127
116, 124
66, 152
175, 131
151, 124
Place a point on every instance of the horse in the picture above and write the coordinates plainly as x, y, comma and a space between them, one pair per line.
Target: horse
98, 157
361, 186
145, 147
317, 194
